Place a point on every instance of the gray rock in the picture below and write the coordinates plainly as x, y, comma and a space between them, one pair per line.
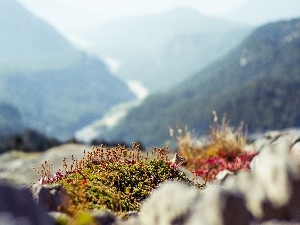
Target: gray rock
171, 203
50, 197
251, 189
267, 139
17, 207
219, 206
191, 177
130, 221
175, 203
277, 222
272, 190
295, 149
223, 175
104, 218
283, 143
132, 214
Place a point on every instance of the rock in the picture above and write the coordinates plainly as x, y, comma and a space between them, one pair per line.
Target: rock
295, 149
279, 174
267, 139
50, 197
103, 218
18, 207
283, 143
176, 203
277, 222
16, 167
130, 221
171, 203
253, 192
272, 190
132, 218
131, 214
223, 175
192, 179
219, 206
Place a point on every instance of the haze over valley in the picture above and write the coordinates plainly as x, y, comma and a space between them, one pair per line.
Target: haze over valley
131, 75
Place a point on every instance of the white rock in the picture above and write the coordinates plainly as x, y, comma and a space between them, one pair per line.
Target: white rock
172, 203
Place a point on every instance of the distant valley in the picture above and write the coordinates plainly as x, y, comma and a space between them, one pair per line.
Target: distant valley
257, 83
45, 82
162, 50
188, 64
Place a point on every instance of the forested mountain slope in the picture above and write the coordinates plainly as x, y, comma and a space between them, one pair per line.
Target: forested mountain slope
233, 85
55, 88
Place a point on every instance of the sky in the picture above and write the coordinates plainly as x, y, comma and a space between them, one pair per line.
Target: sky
72, 15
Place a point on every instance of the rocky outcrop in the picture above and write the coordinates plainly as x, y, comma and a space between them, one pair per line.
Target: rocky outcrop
176, 203
18, 207
50, 197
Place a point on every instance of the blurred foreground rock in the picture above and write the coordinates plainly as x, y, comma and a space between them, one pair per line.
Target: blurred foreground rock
18, 208
16, 167
50, 197
177, 203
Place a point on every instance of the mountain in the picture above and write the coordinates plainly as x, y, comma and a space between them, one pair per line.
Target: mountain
27, 38
257, 82
263, 104
160, 50
10, 119
55, 88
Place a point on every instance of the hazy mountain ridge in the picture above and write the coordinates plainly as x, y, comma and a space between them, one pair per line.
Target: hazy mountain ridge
10, 119
54, 87
263, 104
26, 37
146, 46
189, 53
62, 101
270, 52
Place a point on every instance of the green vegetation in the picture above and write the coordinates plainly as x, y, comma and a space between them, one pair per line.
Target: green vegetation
119, 179
115, 179
263, 104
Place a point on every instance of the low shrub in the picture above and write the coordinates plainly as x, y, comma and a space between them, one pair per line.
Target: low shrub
224, 148
116, 179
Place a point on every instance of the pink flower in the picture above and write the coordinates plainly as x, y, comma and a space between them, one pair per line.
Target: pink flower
41, 181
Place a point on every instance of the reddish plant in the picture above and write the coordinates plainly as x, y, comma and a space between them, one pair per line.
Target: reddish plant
232, 161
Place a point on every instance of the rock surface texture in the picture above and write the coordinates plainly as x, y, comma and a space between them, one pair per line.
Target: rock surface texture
50, 197
17, 207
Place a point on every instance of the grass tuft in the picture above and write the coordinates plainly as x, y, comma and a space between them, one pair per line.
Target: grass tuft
223, 149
